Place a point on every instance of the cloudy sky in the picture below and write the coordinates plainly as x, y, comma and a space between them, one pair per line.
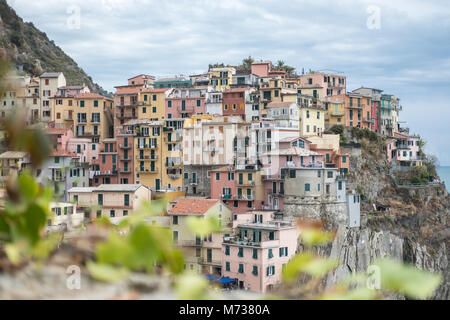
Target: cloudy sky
399, 46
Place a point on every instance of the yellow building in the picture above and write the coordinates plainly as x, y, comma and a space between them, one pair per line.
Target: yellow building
334, 111
158, 155
312, 116
93, 117
152, 104
201, 255
275, 89
221, 78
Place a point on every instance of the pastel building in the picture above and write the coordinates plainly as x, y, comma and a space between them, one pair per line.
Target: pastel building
62, 171
293, 153
201, 254
64, 213
49, 82
256, 254
375, 95
63, 105
215, 140
284, 114
107, 165
312, 120
112, 201
322, 84
265, 136
222, 77
405, 151
185, 102
239, 187
235, 103
93, 117
334, 111
59, 137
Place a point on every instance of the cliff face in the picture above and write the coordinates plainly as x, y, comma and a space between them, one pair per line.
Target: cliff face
414, 227
29, 48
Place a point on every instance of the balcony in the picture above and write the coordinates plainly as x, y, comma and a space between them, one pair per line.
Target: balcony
174, 164
189, 243
125, 116
246, 184
122, 146
87, 134
206, 261
105, 173
337, 114
147, 171
356, 107
245, 197
147, 158
124, 159
125, 171
174, 176
173, 140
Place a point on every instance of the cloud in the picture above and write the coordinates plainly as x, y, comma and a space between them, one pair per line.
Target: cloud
407, 56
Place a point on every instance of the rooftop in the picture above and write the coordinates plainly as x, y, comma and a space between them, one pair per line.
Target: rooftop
13, 155
193, 206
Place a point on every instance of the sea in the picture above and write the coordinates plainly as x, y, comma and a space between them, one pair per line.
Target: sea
444, 174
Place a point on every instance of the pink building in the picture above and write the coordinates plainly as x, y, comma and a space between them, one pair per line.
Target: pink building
261, 69
293, 153
107, 164
185, 102
255, 256
125, 141
241, 189
60, 138
406, 152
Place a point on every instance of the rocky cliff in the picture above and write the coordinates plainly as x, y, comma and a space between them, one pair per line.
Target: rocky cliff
32, 51
408, 223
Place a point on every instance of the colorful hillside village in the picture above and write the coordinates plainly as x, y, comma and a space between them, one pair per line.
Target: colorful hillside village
254, 145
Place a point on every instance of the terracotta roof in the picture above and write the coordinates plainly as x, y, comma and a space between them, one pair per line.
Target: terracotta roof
62, 153
236, 90
56, 130
155, 90
90, 96
193, 206
128, 89
280, 104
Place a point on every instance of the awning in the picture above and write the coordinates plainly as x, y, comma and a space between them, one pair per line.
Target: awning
226, 280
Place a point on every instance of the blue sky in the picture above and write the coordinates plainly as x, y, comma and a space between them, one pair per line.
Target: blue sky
405, 53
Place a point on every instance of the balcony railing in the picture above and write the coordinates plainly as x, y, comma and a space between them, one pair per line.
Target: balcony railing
146, 158
122, 146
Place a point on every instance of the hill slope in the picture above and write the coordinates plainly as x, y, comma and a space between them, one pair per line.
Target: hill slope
28, 47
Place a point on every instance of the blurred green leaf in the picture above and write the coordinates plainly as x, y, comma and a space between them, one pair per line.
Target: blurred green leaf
407, 280
191, 286
204, 226
106, 272
314, 237
308, 263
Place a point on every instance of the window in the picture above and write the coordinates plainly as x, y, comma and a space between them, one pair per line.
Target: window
255, 270
255, 253
99, 214
175, 236
270, 254
307, 187
330, 174
95, 103
100, 199
126, 200
56, 159
270, 270
125, 213
241, 268
344, 159
292, 173
154, 97
241, 252
198, 103
227, 250
154, 109
227, 266
144, 110
283, 252
169, 104
112, 213
217, 176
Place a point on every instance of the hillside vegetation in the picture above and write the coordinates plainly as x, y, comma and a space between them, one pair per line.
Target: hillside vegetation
29, 48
